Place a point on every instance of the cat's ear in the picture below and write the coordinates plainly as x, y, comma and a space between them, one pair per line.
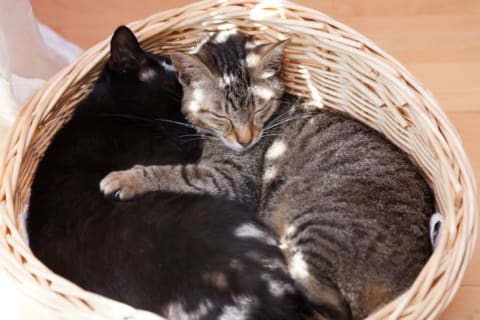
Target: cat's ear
190, 69
268, 59
126, 55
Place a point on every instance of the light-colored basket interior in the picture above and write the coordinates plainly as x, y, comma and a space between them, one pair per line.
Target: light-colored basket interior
326, 61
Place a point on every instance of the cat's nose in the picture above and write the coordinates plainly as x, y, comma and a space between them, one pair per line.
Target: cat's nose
245, 143
244, 136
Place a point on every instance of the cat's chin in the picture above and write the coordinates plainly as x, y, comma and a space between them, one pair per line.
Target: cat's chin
235, 146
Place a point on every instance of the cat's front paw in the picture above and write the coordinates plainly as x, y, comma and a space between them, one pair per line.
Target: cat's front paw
124, 185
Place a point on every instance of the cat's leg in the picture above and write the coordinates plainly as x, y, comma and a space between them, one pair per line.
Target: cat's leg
195, 179
307, 266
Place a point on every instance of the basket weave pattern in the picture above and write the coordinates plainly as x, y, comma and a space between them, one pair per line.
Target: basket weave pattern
325, 61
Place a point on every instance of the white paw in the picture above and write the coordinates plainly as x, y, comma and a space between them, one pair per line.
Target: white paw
124, 185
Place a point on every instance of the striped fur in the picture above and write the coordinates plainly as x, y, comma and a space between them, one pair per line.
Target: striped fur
350, 209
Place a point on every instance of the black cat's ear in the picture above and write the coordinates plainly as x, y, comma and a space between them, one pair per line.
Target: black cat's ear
266, 59
126, 55
190, 68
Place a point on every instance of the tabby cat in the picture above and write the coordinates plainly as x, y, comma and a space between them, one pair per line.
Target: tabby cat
350, 209
182, 256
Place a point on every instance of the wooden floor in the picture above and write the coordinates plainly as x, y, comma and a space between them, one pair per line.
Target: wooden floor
437, 40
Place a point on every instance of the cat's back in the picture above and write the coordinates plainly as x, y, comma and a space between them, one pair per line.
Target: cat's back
338, 191
344, 159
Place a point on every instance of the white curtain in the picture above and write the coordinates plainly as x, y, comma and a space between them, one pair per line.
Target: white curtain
30, 53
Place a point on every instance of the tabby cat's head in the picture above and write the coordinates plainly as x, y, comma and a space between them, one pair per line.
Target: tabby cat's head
231, 86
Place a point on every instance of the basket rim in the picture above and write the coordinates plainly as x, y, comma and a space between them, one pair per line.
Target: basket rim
24, 129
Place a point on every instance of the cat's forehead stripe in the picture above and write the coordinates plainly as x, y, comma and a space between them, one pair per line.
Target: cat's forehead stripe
226, 56
238, 99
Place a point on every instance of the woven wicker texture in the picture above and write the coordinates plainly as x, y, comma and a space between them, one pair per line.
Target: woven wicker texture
326, 61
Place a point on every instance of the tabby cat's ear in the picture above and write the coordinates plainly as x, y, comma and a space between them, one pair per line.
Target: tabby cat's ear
126, 55
270, 57
190, 69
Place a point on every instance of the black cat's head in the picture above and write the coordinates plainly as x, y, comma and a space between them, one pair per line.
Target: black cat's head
141, 81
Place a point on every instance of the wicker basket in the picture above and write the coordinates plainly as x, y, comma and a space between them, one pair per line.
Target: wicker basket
325, 61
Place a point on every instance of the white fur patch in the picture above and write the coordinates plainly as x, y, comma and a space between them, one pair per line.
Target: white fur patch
204, 308
250, 45
176, 311
269, 174
249, 230
193, 106
277, 288
284, 240
283, 244
267, 74
235, 146
263, 92
290, 230
298, 267
168, 67
276, 150
252, 60
198, 96
226, 80
235, 264
272, 264
147, 74
223, 36
240, 311
275, 264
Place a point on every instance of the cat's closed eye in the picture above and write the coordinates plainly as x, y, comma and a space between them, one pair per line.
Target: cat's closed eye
218, 119
263, 109
214, 114
260, 111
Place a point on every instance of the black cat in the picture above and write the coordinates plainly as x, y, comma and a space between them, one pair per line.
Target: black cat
178, 255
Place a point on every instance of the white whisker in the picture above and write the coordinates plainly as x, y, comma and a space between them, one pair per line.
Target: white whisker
271, 126
280, 117
274, 135
175, 122
190, 135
